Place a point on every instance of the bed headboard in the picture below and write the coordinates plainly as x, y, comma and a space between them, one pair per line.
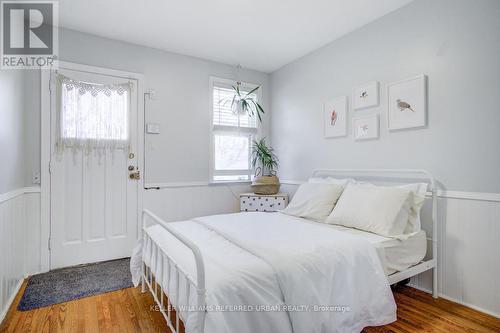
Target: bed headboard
399, 176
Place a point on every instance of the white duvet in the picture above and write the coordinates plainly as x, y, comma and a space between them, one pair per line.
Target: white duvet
288, 274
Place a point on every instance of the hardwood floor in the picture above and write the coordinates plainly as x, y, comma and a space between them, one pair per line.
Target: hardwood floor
121, 311
128, 310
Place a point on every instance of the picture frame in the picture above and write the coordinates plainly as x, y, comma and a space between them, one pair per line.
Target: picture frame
407, 103
335, 117
366, 95
366, 127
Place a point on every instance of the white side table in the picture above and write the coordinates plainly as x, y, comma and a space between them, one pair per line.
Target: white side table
251, 202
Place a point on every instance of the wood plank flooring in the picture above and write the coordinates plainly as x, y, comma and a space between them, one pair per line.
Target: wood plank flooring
128, 310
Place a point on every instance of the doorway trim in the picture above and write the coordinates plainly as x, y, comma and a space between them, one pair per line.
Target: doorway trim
45, 148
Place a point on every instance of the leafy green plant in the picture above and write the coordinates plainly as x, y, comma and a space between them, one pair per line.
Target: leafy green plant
246, 103
264, 155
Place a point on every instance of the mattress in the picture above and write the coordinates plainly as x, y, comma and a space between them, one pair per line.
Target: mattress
396, 255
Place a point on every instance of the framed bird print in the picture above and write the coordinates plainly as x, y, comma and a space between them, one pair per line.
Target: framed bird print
407, 103
335, 117
366, 95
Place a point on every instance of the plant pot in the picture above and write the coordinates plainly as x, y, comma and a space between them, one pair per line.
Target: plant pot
266, 185
237, 108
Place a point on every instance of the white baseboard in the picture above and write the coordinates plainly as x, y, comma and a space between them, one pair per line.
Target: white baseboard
28, 274
11, 300
491, 313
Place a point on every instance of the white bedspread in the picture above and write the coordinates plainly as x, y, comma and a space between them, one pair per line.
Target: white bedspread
331, 281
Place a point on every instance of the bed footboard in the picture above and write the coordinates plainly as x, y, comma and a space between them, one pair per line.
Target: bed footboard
169, 310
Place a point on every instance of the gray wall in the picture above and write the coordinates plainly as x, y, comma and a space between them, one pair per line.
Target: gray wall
455, 42
32, 126
182, 106
11, 129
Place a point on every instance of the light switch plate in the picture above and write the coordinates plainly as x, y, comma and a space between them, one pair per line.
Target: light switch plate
36, 178
153, 128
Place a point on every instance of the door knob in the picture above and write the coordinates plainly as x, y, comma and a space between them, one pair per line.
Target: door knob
135, 175
131, 168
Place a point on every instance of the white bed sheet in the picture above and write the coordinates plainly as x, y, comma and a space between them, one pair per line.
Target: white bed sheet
260, 258
248, 281
396, 255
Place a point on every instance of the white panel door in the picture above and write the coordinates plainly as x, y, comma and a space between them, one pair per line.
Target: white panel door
94, 202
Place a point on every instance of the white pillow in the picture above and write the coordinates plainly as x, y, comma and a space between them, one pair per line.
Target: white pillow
314, 201
330, 180
378, 209
419, 192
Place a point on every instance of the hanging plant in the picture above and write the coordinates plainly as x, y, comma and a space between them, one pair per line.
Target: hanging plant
245, 103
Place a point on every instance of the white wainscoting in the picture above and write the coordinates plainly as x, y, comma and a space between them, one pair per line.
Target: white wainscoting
468, 248
19, 241
182, 201
469, 254
32, 241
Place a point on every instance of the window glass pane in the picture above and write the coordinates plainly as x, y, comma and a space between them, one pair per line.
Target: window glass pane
223, 113
231, 152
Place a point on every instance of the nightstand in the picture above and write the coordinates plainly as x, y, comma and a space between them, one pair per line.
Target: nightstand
251, 202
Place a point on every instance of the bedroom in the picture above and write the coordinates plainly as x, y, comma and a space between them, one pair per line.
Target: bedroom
372, 123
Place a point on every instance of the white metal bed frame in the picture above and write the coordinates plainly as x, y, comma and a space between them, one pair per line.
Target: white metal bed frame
199, 283
147, 275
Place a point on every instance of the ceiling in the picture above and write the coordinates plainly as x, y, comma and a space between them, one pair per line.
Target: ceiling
258, 34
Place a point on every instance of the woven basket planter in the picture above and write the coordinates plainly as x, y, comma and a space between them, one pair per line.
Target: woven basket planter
266, 185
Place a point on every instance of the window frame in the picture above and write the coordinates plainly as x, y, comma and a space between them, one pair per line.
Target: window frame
244, 131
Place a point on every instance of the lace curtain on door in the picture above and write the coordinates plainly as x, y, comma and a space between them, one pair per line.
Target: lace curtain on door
93, 117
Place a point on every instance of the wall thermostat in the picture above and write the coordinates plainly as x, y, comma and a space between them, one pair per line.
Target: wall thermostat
153, 128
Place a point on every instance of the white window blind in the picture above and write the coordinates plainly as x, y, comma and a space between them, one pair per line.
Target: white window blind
223, 113
231, 136
93, 116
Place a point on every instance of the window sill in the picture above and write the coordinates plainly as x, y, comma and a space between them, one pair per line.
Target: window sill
229, 182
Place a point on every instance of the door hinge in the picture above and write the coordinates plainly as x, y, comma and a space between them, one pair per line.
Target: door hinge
50, 167
48, 244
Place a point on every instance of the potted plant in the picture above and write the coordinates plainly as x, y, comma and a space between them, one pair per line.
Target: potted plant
244, 103
265, 161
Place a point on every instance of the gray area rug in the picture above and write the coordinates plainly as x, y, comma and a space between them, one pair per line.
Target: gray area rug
66, 284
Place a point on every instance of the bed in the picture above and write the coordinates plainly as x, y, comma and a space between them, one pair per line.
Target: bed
269, 272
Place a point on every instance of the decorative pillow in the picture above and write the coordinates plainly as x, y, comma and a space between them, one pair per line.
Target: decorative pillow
378, 209
314, 201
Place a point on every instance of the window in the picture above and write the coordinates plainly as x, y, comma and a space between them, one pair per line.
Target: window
232, 134
93, 115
